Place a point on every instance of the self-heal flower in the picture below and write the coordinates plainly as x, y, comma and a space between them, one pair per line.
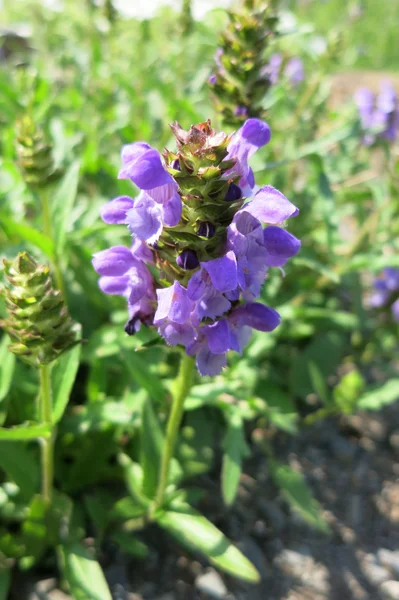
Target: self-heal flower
378, 114
386, 291
208, 241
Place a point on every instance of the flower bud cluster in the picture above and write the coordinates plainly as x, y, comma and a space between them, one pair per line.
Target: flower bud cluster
239, 81
200, 252
34, 152
38, 322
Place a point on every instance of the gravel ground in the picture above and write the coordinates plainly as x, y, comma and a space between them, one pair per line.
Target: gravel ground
352, 468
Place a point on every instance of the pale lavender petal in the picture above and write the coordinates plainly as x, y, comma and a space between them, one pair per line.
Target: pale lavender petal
117, 286
197, 285
249, 138
114, 212
294, 70
133, 151
212, 306
223, 272
113, 261
386, 99
209, 363
140, 282
163, 193
145, 219
280, 245
270, 206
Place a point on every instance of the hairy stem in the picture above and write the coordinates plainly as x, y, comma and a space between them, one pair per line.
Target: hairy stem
47, 444
181, 388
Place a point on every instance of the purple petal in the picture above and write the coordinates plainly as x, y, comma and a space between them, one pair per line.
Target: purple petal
210, 364
113, 261
140, 282
223, 272
175, 334
197, 285
133, 151
386, 99
270, 206
163, 193
256, 315
145, 219
212, 306
392, 278
218, 336
173, 304
294, 70
141, 251
145, 169
117, 286
280, 245
172, 210
114, 212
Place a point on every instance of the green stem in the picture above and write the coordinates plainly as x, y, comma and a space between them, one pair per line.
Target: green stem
48, 230
181, 388
47, 444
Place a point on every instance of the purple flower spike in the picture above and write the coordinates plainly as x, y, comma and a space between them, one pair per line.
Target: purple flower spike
145, 219
294, 70
114, 212
280, 245
114, 261
142, 164
223, 272
173, 304
209, 363
207, 260
271, 206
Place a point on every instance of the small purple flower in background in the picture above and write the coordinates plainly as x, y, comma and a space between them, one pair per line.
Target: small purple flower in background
386, 290
209, 248
293, 70
379, 114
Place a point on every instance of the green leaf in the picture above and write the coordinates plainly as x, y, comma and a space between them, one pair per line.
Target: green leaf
63, 376
198, 534
280, 407
28, 234
62, 204
298, 495
27, 431
380, 396
20, 464
151, 443
7, 364
139, 370
318, 382
195, 447
134, 477
347, 392
83, 574
130, 544
5, 581
235, 449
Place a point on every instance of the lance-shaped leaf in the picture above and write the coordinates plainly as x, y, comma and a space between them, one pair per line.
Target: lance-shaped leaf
198, 534
83, 574
236, 449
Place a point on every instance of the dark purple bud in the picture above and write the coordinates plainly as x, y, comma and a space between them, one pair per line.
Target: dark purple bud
233, 193
212, 79
133, 325
188, 260
206, 229
176, 164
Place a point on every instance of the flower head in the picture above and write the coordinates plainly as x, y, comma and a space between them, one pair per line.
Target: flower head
386, 291
378, 114
208, 247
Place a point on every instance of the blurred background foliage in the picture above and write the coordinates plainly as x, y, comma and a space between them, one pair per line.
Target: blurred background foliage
91, 80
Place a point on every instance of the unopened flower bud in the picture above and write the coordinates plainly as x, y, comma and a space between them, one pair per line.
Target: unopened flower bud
233, 193
188, 260
35, 157
206, 229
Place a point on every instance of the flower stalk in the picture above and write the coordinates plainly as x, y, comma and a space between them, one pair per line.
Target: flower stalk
47, 444
181, 389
